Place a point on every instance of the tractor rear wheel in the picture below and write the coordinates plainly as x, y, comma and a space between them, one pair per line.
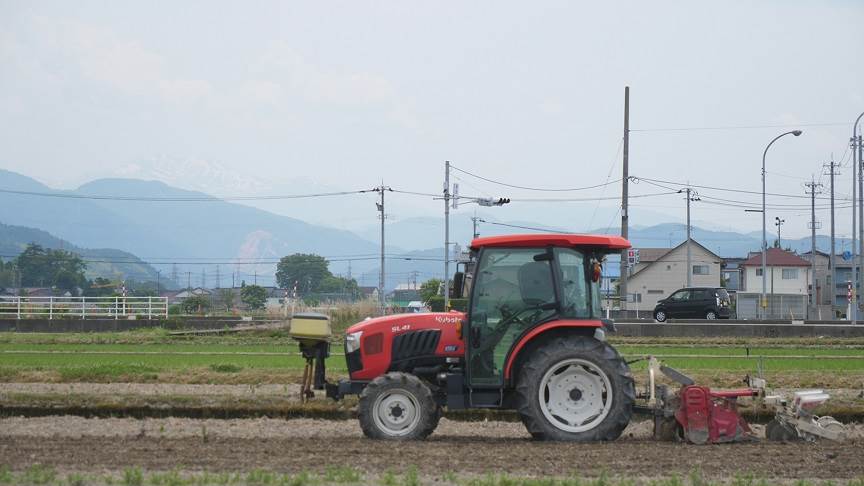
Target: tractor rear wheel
575, 388
398, 406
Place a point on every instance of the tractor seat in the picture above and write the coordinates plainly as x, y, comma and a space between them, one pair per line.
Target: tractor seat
535, 284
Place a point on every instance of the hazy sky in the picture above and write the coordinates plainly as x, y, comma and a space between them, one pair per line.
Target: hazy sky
287, 97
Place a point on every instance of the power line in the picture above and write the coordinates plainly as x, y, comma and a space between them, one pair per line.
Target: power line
716, 188
584, 199
531, 228
527, 188
737, 127
181, 199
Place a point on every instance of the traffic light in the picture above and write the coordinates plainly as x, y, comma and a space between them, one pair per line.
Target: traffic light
502, 201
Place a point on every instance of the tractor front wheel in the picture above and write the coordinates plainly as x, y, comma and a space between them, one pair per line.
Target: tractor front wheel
397, 406
575, 388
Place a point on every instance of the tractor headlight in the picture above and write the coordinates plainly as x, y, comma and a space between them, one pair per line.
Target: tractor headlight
352, 341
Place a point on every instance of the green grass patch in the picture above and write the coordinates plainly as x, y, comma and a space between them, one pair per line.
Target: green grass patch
226, 368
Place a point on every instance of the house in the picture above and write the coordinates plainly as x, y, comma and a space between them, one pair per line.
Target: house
369, 292
839, 297
787, 285
185, 294
661, 271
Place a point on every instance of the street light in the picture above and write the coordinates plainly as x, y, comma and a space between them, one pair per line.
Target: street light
763, 302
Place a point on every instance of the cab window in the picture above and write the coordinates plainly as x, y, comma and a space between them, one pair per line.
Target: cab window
580, 296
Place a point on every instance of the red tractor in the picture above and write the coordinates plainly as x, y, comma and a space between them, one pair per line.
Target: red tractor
533, 340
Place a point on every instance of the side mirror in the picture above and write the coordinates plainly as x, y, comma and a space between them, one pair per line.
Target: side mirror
597, 272
458, 285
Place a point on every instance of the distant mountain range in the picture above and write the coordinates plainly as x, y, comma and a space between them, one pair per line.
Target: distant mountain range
102, 262
202, 234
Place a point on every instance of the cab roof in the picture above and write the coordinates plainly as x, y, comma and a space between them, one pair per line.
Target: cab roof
551, 239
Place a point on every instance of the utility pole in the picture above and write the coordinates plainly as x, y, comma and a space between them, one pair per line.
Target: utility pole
690, 195
446, 236
474, 220
157, 283
813, 189
174, 277
778, 223
380, 205
189, 280
853, 305
622, 282
218, 278
255, 278
832, 260
859, 165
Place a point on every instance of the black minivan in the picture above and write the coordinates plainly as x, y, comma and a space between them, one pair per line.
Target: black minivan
694, 303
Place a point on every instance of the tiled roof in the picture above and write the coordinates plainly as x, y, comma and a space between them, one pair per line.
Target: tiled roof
777, 258
652, 254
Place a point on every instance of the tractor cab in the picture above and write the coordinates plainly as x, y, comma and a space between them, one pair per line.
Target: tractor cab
522, 285
532, 340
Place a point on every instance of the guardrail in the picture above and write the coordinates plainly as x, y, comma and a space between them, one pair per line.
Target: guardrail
83, 307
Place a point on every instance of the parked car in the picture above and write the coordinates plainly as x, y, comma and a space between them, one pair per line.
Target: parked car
694, 303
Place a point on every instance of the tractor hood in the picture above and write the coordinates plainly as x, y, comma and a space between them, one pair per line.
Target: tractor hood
374, 346
398, 323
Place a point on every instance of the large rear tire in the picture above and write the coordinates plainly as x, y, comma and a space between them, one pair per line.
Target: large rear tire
575, 388
397, 406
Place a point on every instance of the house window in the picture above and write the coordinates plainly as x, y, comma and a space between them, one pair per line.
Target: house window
758, 272
701, 270
790, 273
655, 291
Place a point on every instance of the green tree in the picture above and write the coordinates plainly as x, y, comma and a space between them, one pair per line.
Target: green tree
429, 289
55, 268
254, 296
334, 284
308, 270
195, 304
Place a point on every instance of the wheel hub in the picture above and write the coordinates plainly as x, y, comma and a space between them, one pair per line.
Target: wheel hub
575, 395
397, 412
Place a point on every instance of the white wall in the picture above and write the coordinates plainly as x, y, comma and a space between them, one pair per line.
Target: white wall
753, 282
670, 274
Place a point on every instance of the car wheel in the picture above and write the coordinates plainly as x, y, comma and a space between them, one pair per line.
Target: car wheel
710, 315
660, 316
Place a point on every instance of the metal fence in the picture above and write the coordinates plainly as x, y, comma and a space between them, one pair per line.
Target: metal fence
82, 307
780, 306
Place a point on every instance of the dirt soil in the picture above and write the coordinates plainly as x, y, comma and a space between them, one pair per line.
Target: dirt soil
95, 445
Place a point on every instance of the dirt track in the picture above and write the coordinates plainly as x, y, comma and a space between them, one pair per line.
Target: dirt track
78, 444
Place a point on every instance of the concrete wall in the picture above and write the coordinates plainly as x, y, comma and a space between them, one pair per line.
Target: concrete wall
698, 329
659, 279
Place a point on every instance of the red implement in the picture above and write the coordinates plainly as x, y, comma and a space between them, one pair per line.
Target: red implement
712, 417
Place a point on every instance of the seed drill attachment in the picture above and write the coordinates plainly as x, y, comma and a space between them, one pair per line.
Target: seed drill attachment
312, 331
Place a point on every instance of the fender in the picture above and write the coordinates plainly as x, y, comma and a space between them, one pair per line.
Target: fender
530, 335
